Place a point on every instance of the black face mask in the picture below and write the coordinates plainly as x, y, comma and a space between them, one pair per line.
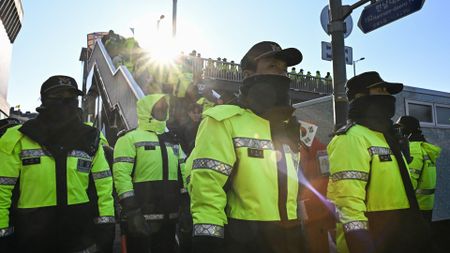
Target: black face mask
57, 113
373, 111
265, 93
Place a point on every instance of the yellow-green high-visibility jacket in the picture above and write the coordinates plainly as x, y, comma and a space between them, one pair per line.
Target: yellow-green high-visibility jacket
364, 179
235, 145
146, 167
423, 172
35, 171
205, 103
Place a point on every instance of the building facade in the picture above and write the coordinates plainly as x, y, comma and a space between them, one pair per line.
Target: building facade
11, 15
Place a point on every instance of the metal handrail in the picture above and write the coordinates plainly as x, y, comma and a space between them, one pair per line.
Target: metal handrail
227, 71
117, 83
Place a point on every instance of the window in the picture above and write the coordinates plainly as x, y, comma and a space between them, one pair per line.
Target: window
429, 114
422, 111
443, 115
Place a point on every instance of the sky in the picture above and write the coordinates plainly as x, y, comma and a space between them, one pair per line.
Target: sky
413, 50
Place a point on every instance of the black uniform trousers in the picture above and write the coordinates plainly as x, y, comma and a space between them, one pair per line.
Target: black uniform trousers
264, 237
161, 240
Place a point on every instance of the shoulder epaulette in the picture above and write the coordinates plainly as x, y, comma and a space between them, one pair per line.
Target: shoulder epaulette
222, 112
124, 131
344, 129
10, 139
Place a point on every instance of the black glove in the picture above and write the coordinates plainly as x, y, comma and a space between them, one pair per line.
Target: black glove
359, 241
207, 244
137, 226
104, 236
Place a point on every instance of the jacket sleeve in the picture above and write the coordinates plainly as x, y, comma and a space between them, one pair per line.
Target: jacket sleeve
349, 175
101, 174
9, 175
124, 159
210, 164
417, 164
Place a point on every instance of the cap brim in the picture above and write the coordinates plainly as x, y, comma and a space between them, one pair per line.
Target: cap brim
392, 88
292, 56
64, 87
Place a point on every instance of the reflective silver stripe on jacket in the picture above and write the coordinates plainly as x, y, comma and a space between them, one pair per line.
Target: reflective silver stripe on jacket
425, 191
6, 231
240, 142
211, 164
183, 190
90, 249
101, 174
146, 143
380, 151
356, 225
426, 157
208, 230
350, 174
29, 153
160, 216
124, 159
80, 154
104, 219
126, 195
8, 180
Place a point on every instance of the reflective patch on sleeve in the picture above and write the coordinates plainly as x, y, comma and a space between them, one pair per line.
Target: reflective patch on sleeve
8, 180
356, 225
211, 164
380, 151
104, 219
6, 231
124, 159
240, 142
208, 230
126, 195
426, 157
101, 174
350, 174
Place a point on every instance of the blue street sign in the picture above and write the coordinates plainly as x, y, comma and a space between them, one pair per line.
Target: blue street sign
383, 12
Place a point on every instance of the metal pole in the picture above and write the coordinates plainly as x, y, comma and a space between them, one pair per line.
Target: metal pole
337, 29
354, 68
174, 18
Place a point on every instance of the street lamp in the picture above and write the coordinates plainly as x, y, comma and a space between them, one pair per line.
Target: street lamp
174, 18
354, 65
157, 22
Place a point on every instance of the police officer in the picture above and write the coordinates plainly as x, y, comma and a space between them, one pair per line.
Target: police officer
243, 174
423, 165
369, 181
57, 161
147, 178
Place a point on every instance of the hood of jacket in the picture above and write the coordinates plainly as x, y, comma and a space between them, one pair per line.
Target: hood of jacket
432, 151
144, 112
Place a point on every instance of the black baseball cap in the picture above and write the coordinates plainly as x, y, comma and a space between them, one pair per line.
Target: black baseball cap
362, 82
263, 49
409, 123
58, 83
